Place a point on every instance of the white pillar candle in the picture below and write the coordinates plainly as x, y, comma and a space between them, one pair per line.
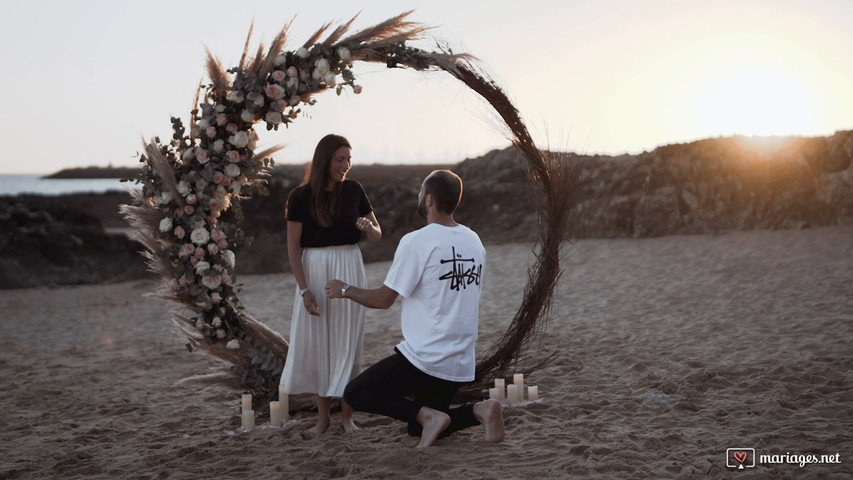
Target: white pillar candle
512, 393
249, 420
247, 402
501, 386
533, 392
494, 393
275, 414
284, 401
518, 380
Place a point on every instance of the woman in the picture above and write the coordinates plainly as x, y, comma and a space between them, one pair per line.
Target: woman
326, 216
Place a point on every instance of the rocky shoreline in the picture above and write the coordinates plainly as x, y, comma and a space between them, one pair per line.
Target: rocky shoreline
702, 187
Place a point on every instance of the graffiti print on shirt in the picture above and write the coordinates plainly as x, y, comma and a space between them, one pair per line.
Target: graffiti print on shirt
463, 271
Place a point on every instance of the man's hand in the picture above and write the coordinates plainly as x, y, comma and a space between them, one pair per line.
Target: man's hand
333, 288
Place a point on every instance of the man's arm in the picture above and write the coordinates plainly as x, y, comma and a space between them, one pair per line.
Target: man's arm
382, 297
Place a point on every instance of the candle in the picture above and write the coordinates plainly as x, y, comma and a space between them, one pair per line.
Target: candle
532, 393
275, 414
284, 401
512, 393
518, 380
494, 394
249, 420
501, 386
247, 402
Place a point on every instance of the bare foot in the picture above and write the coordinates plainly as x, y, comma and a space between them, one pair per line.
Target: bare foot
434, 422
490, 414
349, 425
318, 429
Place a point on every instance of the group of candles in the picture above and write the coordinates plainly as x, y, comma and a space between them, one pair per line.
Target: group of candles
279, 410
513, 392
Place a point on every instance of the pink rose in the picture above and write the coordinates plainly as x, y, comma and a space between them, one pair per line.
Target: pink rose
189, 209
356, 89
192, 199
217, 235
220, 334
221, 119
180, 232
226, 181
274, 90
232, 128
198, 253
214, 203
210, 132
187, 249
194, 261
212, 248
292, 72
278, 75
217, 177
233, 156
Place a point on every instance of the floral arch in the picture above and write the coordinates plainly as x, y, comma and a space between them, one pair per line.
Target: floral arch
189, 183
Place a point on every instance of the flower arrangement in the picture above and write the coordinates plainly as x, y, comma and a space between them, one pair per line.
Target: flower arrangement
181, 214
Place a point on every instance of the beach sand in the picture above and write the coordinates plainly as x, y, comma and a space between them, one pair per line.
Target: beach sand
673, 349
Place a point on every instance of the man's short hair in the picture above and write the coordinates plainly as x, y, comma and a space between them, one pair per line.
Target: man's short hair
445, 188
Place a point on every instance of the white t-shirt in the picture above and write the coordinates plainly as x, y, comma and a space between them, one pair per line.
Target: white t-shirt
438, 272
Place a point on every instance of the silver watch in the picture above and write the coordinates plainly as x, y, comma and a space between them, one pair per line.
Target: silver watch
344, 289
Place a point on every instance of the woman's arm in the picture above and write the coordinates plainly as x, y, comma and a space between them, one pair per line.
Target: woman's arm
294, 256
370, 225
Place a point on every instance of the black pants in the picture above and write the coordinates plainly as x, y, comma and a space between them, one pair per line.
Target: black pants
384, 387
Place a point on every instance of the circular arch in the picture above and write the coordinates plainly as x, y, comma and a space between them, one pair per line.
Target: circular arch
190, 181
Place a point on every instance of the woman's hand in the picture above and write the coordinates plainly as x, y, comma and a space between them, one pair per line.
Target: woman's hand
370, 226
364, 224
310, 303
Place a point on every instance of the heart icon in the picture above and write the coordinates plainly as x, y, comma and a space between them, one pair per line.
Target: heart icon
740, 456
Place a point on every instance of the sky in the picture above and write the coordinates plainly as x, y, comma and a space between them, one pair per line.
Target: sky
85, 82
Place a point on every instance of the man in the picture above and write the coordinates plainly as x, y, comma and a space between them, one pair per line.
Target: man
438, 272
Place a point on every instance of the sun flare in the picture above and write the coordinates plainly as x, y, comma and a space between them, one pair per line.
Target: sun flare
758, 101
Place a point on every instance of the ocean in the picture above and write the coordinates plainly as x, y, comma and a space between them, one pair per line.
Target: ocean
18, 184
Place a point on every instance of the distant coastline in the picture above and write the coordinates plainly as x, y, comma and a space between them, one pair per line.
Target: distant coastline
94, 172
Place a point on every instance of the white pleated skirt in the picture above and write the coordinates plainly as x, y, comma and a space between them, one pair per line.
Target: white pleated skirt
325, 352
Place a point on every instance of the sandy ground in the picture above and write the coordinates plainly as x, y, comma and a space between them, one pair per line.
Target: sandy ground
672, 350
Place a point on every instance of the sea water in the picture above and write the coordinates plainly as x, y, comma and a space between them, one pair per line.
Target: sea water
37, 184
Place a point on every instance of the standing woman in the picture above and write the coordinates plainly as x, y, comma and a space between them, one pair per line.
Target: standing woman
326, 216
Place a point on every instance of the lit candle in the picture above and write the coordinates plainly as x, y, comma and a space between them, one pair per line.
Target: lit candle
284, 401
249, 420
518, 380
501, 386
275, 414
247, 402
512, 393
532, 393
494, 394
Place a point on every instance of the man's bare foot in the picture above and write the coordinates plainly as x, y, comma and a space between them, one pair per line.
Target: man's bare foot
490, 414
434, 422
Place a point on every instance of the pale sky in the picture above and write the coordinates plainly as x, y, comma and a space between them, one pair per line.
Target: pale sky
84, 81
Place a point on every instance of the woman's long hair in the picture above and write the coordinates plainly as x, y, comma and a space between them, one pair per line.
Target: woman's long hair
317, 175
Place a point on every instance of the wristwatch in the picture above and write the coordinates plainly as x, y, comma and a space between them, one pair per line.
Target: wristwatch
344, 289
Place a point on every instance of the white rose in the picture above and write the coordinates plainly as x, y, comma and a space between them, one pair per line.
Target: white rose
211, 282
217, 322
183, 187
280, 59
219, 108
292, 72
239, 140
228, 255
292, 84
317, 74
232, 344
203, 123
302, 52
236, 96
166, 224
323, 65
188, 155
202, 266
330, 79
344, 54
200, 236
165, 197
232, 170
247, 116
235, 188
273, 117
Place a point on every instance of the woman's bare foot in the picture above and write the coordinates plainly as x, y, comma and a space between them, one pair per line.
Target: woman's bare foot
434, 422
320, 428
346, 417
490, 414
324, 416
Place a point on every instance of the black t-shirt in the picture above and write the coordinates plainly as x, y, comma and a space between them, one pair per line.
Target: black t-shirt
352, 203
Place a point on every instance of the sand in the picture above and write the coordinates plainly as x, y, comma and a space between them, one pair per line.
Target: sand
672, 349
